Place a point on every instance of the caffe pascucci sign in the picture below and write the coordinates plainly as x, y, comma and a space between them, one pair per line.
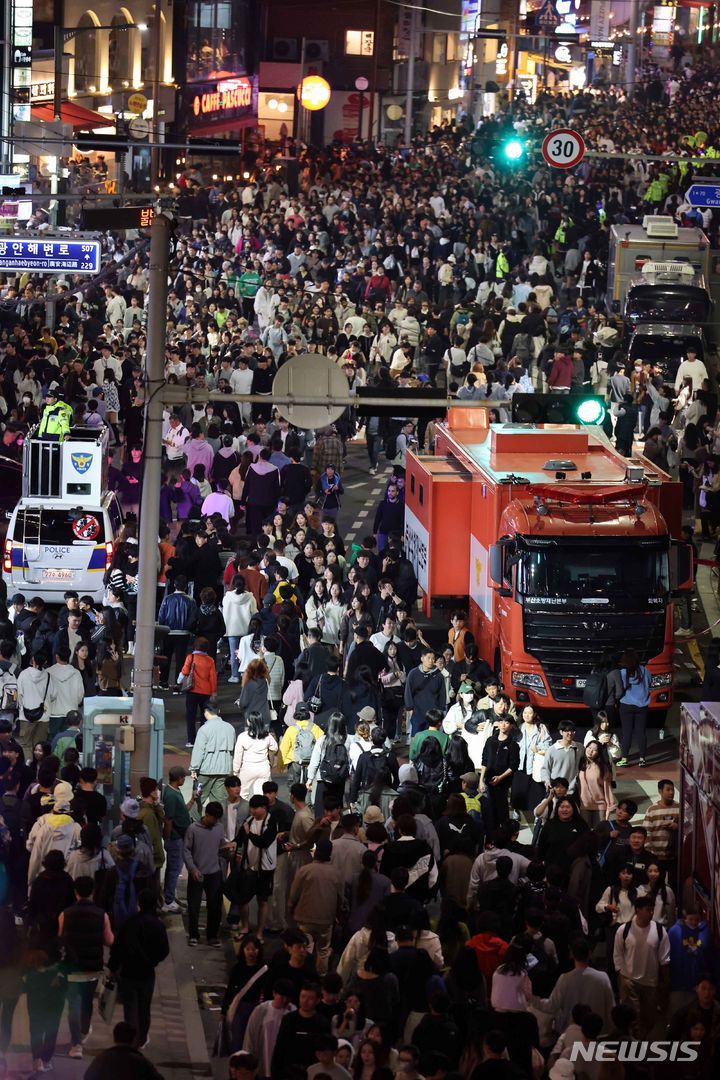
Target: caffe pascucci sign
227, 99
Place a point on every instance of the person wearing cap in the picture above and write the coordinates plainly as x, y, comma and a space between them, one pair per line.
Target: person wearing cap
263, 1026
55, 830
57, 416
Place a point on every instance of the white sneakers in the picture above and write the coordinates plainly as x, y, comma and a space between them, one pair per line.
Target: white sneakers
75, 1051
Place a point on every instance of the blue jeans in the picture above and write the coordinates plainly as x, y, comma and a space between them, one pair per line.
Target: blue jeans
173, 866
233, 644
80, 1005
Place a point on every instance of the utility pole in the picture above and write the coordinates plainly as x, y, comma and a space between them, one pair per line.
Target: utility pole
157, 60
632, 47
150, 504
409, 90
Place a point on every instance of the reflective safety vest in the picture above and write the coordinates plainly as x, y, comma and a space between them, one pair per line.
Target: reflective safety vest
711, 152
56, 420
654, 192
502, 266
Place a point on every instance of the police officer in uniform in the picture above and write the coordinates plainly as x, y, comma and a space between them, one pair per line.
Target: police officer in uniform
56, 418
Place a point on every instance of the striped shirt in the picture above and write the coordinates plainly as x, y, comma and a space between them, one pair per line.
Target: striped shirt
661, 839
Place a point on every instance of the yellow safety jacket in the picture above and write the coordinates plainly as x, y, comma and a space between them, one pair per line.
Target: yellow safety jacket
56, 420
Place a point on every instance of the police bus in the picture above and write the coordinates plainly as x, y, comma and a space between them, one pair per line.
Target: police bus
63, 531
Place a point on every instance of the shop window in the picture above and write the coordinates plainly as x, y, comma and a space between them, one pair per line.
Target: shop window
87, 65
453, 52
439, 48
219, 37
120, 49
359, 42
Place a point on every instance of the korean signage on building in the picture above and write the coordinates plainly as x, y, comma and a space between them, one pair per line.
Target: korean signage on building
222, 102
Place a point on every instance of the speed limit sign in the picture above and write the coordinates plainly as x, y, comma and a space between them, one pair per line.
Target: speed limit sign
563, 148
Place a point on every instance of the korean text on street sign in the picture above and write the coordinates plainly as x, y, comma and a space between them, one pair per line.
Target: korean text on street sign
563, 148
704, 194
50, 256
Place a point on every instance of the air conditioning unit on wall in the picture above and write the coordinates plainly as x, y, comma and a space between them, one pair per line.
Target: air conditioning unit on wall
316, 50
286, 49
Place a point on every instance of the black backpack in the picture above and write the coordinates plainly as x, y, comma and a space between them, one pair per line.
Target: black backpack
391, 447
335, 763
430, 765
595, 691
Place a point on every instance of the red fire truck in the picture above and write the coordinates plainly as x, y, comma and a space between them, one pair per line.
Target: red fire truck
560, 549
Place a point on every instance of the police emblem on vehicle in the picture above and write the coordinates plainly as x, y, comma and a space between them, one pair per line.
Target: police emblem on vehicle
81, 462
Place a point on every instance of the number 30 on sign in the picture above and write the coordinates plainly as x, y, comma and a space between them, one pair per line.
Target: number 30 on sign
563, 148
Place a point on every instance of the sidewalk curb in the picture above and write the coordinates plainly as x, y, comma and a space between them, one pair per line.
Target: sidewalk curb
199, 1060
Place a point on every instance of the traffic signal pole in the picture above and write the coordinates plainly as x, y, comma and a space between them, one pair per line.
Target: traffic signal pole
150, 501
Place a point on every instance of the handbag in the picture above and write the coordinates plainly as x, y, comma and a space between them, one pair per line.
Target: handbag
187, 682
108, 999
315, 702
241, 883
33, 715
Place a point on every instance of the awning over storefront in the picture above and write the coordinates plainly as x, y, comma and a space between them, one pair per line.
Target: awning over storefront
74, 115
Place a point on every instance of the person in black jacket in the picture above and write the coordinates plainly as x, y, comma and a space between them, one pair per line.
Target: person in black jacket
141, 944
122, 1061
500, 761
210, 621
84, 929
295, 1044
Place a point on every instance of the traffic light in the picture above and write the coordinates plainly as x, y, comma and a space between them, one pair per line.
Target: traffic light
513, 150
558, 409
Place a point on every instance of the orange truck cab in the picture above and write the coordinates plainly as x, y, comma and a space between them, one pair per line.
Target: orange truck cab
562, 551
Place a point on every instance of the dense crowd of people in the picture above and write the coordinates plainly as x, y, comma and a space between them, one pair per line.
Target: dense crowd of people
417, 934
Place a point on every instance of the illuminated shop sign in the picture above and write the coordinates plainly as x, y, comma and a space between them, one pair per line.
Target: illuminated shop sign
222, 101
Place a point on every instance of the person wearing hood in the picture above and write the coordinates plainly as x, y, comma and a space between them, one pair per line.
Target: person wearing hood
66, 691
261, 492
53, 831
33, 687
561, 376
409, 787
238, 608
226, 459
210, 622
212, 759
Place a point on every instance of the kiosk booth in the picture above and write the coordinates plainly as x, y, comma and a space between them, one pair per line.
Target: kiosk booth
109, 741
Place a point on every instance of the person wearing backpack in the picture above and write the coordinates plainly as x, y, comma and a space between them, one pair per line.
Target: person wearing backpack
376, 770
118, 892
83, 929
130, 825
641, 957
298, 743
329, 768
431, 772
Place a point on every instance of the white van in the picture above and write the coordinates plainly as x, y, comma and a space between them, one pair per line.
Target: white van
62, 533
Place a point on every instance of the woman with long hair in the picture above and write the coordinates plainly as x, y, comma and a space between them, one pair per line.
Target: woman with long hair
329, 767
511, 987
255, 751
250, 644
109, 668
361, 692
634, 706
372, 934
244, 989
657, 887
90, 859
369, 1060
392, 684
238, 608
254, 692
82, 662
602, 732
560, 840
534, 739
315, 606
596, 796
334, 612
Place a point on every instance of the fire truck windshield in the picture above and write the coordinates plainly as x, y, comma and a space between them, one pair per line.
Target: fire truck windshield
557, 569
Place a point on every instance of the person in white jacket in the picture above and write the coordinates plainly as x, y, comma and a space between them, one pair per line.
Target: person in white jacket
238, 607
33, 689
54, 831
66, 691
264, 305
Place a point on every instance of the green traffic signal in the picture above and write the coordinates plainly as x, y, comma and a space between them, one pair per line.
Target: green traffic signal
591, 411
514, 150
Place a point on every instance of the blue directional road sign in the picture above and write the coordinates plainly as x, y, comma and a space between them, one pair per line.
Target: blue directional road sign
704, 194
50, 256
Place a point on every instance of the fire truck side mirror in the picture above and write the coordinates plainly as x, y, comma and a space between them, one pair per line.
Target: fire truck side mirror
681, 567
496, 564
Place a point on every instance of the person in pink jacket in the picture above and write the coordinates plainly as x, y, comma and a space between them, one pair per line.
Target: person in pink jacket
597, 799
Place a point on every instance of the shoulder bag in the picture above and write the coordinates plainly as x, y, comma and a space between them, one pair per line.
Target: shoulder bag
33, 715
